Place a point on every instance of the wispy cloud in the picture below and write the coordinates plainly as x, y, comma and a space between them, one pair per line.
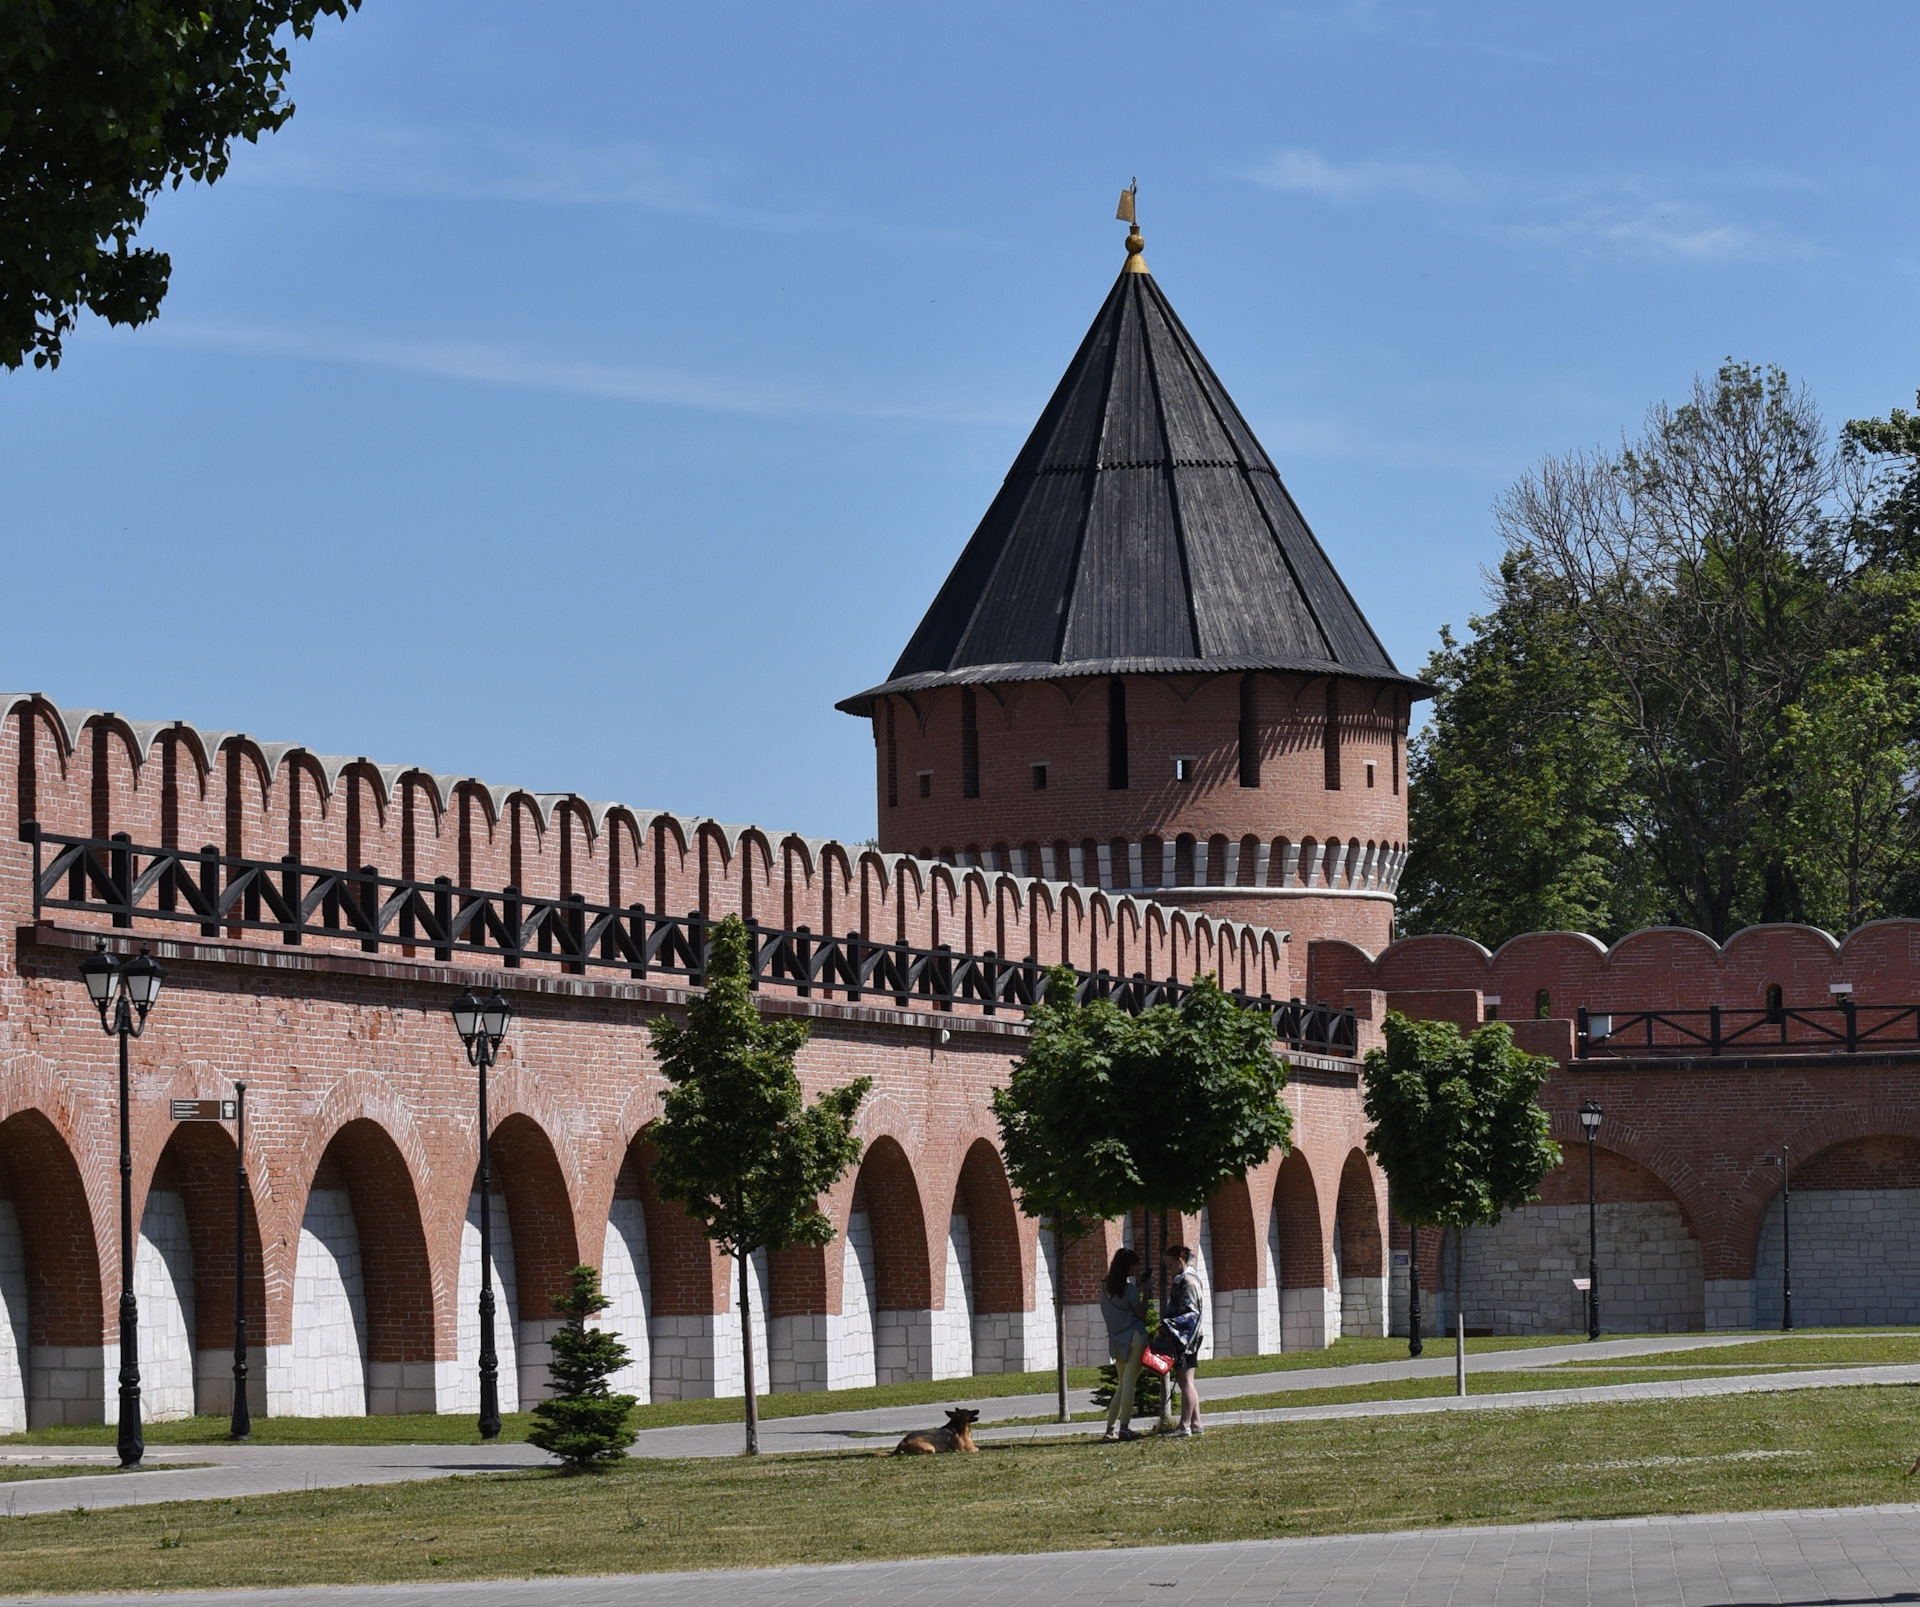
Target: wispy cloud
497, 166
1310, 173
528, 367
1621, 216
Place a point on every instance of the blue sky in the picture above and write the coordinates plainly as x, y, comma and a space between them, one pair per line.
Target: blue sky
586, 396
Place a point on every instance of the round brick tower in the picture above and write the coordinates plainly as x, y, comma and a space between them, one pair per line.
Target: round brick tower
1143, 673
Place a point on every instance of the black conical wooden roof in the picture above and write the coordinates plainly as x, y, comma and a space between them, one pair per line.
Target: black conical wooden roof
1141, 529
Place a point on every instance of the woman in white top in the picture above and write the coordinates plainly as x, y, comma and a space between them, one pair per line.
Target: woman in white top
1185, 1317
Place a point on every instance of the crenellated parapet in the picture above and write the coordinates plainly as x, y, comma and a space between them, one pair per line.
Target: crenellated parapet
174, 785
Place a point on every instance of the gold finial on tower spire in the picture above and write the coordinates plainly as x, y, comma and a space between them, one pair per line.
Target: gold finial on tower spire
1136, 246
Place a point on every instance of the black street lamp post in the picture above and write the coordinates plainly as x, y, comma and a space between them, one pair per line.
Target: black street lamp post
241, 1427
482, 1023
1786, 1238
1590, 1120
1414, 1343
123, 992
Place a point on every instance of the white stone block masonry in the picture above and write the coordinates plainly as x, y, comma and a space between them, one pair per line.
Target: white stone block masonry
953, 1322
1856, 1259
1519, 1274
626, 1280
699, 1357
506, 1313
15, 1340
163, 1291
70, 1383
323, 1371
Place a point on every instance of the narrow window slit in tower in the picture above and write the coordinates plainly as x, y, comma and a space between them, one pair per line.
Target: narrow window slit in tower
1249, 735
969, 744
1332, 738
893, 761
1116, 734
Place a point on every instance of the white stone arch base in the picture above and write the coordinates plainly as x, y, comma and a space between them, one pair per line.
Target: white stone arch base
698, 1357
15, 1335
1041, 1349
850, 1360
953, 1323
163, 1288
1203, 1266
1856, 1259
323, 1372
729, 1369
1267, 1307
1520, 1272
463, 1393
626, 1279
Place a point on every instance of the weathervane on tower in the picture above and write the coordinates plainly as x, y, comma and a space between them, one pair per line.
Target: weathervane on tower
1136, 247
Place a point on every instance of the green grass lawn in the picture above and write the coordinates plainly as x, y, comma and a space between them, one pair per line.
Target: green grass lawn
429, 1429
1742, 1453
1408, 1389
1808, 1350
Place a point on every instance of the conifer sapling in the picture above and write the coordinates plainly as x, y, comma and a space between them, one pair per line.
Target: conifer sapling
584, 1423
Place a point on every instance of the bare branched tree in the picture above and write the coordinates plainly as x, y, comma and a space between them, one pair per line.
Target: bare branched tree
1706, 565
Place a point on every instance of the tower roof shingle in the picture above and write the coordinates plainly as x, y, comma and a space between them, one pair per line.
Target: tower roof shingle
1141, 529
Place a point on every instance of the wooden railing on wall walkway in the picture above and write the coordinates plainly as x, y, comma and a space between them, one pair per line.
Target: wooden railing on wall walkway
1842, 1028
130, 885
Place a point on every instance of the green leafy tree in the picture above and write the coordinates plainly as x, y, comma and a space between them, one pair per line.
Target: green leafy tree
105, 103
1691, 699
737, 1145
1201, 1098
583, 1422
1888, 450
1853, 742
1521, 815
1058, 1133
1458, 1129
1707, 565
1201, 1105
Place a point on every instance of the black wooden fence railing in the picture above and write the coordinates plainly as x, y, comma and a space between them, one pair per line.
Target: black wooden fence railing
1845, 1027
118, 879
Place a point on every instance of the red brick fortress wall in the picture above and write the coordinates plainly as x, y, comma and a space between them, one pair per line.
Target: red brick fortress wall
362, 1102
1689, 1180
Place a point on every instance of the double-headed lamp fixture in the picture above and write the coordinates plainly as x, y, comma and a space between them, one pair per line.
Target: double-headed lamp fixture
105, 977
476, 1018
1590, 1118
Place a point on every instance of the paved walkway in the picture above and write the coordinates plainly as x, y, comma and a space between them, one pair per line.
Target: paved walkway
232, 1471
1856, 1557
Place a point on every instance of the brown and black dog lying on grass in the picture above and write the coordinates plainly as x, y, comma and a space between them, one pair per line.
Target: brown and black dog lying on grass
956, 1436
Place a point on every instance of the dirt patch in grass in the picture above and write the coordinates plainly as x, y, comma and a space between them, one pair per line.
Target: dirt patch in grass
1740, 1453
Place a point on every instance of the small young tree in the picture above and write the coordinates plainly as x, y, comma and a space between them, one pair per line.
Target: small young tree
737, 1145
1202, 1083
583, 1422
1458, 1129
1057, 1128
